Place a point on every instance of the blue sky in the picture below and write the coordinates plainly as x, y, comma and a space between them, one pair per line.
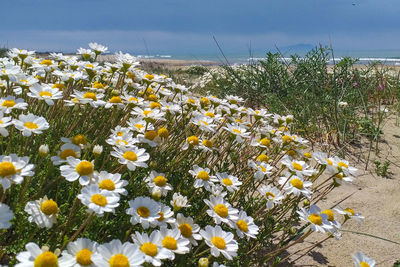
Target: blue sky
187, 26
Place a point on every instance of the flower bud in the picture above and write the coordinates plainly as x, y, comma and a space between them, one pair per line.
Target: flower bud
203, 262
156, 193
97, 150
43, 150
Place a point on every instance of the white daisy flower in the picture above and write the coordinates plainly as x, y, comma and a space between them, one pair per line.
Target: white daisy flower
152, 248
262, 169
166, 217
220, 210
144, 210
237, 130
116, 254
273, 195
13, 169
98, 48
112, 182
125, 140
205, 123
172, 240
34, 256
6, 215
245, 225
31, 123
148, 114
92, 98
78, 169
295, 185
202, 177
191, 142
149, 137
82, 250
220, 242
319, 221
360, 260
66, 150
179, 201
43, 212
342, 178
7, 104
4, 123
159, 181
79, 140
188, 228
139, 125
300, 168
98, 200
350, 214
231, 182
331, 218
46, 93
132, 157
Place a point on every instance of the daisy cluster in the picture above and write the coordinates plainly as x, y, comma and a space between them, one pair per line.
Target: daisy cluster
195, 175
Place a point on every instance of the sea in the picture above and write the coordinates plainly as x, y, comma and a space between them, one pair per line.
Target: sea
384, 57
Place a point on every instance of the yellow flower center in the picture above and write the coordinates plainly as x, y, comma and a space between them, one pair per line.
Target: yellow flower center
99, 200
49, 207
150, 135
186, 230
297, 166
287, 139
90, 95
219, 242
83, 257
149, 249
169, 243
269, 195
8, 103
350, 211
307, 155
120, 134
207, 143
227, 181
191, 101
263, 169
193, 140
152, 98
115, 99
149, 77
161, 216
67, 153
143, 212
330, 215
163, 132
203, 175
221, 210
130, 155
124, 142
147, 112
119, 260
31, 125
242, 225
59, 86
133, 99
7, 169
315, 219
263, 158
79, 139
139, 126
107, 184
364, 264
237, 131
296, 182
329, 162
209, 114
205, 101
339, 176
46, 259
265, 142
44, 93
154, 105
1, 122
89, 66
46, 62
84, 168
342, 164
98, 85
160, 181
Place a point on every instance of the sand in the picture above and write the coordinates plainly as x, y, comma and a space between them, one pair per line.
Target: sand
376, 198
